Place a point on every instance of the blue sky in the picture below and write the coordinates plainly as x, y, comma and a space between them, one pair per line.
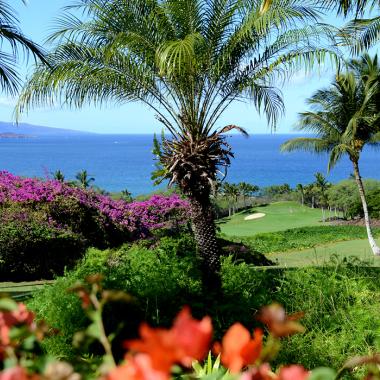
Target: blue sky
37, 19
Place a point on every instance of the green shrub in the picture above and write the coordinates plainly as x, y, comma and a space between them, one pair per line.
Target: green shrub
340, 303
96, 228
33, 248
373, 203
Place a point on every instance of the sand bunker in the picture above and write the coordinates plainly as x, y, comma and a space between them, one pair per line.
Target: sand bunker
256, 215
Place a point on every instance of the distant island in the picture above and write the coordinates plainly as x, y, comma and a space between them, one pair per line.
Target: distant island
24, 130
11, 135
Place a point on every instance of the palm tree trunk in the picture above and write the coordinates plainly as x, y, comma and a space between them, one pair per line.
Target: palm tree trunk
202, 218
372, 242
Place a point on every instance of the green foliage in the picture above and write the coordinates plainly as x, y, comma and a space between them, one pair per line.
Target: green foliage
341, 314
32, 248
373, 204
305, 237
340, 303
344, 195
86, 221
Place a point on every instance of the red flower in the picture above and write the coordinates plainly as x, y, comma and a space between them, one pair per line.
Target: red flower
15, 373
186, 341
138, 367
238, 349
9, 319
293, 372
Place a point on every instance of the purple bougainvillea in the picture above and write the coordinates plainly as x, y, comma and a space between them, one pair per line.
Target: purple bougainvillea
153, 213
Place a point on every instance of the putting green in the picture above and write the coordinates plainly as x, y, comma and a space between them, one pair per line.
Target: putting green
278, 216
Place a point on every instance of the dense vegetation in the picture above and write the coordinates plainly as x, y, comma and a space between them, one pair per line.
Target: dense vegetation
47, 225
339, 302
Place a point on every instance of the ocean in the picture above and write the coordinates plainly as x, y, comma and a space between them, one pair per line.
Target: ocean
119, 162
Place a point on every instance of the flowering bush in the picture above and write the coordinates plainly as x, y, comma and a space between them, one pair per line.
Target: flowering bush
161, 353
46, 225
137, 217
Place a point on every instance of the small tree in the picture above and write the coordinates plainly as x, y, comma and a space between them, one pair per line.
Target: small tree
247, 190
59, 176
84, 180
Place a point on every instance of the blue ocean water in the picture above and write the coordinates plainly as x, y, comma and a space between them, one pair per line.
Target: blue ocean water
125, 161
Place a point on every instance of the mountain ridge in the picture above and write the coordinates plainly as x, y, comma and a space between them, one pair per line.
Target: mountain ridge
32, 130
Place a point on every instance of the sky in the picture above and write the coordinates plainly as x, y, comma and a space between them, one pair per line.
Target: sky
36, 22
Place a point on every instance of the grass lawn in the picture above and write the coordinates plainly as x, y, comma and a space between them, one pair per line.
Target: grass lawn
328, 253
21, 290
278, 216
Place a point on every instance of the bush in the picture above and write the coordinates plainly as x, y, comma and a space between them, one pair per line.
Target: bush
373, 203
32, 247
340, 303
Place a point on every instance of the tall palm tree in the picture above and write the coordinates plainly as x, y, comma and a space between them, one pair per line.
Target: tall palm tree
187, 60
322, 185
345, 118
83, 179
300, 188
12, 37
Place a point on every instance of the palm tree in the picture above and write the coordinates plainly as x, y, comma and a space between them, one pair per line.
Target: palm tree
322, 185
83, 179
59, 176
11, 35
362, 31
345, 118
231, 192
247, 190
301, 191
187, 60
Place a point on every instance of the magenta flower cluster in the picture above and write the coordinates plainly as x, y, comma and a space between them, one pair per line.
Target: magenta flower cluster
153, 213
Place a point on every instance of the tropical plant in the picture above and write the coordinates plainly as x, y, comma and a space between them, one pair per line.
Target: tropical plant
83, 179
301, 190
126, 195
11, 35
345, 118
321, 185
188, 60
59, 176
247, 190
231, 191
363, 31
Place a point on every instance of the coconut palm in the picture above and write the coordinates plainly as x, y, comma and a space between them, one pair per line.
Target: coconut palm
345, 118
322, 185
84, 180
301, 190
187, 60
11, 36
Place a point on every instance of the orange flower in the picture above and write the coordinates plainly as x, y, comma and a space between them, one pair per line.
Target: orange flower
138, 367
238, 349
14, 373
9, 319
280, 324
293, 372
186, 341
